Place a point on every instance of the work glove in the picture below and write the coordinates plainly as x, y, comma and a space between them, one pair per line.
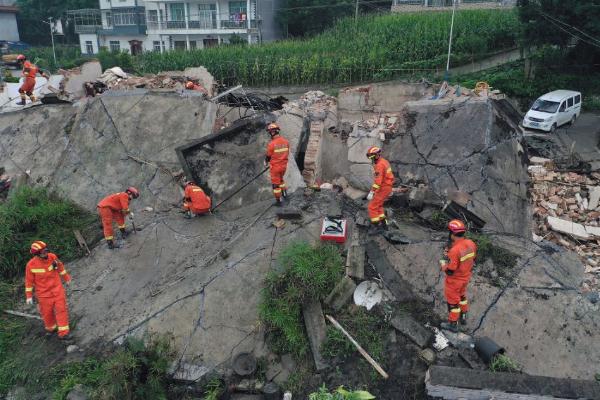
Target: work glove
370, 195
265, 164
131, 215
29, 301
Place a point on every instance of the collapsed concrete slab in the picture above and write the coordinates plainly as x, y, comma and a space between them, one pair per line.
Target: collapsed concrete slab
458, 383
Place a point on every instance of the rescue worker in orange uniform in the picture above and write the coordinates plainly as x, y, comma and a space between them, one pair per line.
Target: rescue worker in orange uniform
461, 257
43, 273
278, 151
380, 190
114, 208
190, 85
195, 201
30, 70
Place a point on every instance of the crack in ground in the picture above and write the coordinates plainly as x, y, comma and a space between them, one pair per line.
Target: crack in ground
503, 290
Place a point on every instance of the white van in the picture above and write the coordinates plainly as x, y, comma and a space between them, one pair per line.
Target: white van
553, 110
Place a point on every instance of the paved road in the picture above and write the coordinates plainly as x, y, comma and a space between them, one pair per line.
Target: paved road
585, 133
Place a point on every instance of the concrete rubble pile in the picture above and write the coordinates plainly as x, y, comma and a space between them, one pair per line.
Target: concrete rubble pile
567, 212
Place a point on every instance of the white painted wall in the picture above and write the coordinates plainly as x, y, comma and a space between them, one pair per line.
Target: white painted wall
88, 37
105, 4
8, 27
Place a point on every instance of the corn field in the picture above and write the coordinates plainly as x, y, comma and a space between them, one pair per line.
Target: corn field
377, 48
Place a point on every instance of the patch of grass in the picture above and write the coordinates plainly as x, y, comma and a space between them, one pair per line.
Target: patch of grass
439, 220
296, 383
36, 214
366, 327
308, 273
340, 394
503, 363
138, 370
214, 389
503, 259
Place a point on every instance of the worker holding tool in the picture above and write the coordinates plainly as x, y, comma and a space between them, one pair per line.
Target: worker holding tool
278, 151
458, 266
380, 190
195, 201
45, 273
29, 73
114, 208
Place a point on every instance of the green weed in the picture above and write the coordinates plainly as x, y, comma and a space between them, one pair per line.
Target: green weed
502, 363
214, 389
340, 394
36, 214
308, 273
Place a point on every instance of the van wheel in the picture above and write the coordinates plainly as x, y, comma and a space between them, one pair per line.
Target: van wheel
573, 120
553, 129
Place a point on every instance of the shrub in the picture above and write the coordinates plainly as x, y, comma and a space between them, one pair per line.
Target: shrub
36, 214
308, 273
502, 363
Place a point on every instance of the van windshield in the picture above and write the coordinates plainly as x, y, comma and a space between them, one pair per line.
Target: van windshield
545, 106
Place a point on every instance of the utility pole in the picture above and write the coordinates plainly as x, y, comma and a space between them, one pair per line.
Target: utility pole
356, 13
49, 22
450, 41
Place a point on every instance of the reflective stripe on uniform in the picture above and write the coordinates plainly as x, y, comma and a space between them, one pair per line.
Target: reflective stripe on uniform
29, 289
376, 219
466, 257
280, 150
376, 186
122, 226
463, 302
64, 272
197, 190
276, 190
455, 310
51, 328
388, 171
109, 238
283, 186
63, 328
38, 271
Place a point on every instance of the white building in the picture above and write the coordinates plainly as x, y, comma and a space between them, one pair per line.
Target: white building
8, 21
161, 25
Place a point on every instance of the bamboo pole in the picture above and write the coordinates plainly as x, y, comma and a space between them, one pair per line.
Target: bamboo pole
21, 314
358, 347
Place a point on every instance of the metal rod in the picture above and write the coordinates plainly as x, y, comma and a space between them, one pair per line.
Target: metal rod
239, 190
450, 40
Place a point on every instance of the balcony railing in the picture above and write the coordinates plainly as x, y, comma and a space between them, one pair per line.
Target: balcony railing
448, 3
87, 28
201, 24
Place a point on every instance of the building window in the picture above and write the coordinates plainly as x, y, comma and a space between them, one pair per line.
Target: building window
115, 45
109, 22
207, 16
238, 13
156, 45
89, 47
180, 45
124, 19
177, 11
152, 18
193, 45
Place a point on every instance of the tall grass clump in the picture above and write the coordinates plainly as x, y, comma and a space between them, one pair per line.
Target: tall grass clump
307, 273
377, 48
36, 214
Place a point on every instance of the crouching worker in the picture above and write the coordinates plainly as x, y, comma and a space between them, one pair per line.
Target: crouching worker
195, 201
114, 208
45, 273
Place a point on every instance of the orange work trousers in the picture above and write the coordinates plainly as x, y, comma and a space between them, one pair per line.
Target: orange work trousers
54, 313
27, 86
277, 174
187, 206
376, 211
108, 215
455, 291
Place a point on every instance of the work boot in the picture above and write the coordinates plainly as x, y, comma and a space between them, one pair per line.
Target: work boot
32, 98
277, 203
124, 233
22, 102
375, 229
187, 215
111, 244
66, 337
284, 193
450, 326
463, 318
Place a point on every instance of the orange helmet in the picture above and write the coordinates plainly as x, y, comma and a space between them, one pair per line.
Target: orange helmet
37, 247
133, 192
457, 226
273, 127
21, 57
189, 85
373, 151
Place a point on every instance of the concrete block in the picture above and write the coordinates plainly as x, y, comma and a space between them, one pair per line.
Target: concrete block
410, 328
399, 288
90, 71
360, 176
316, 329
463, 383
568, 227
341, 293
289, 213
354, 194
357, 148
355, 263
594, 197
190, 372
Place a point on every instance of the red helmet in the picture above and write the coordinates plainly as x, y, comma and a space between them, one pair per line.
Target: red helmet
189, 85
37, 247
273, 128
133, 192
21, 57
373, 151
457, 226
189, 183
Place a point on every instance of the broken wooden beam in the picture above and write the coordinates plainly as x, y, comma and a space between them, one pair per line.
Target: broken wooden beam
22, 314
316, 330
355, 262
341, 293
410, 328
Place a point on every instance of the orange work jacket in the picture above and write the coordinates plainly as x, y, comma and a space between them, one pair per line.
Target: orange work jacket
45, 276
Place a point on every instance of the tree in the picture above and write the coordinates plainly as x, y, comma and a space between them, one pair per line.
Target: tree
570, 27
310, 17
32, 12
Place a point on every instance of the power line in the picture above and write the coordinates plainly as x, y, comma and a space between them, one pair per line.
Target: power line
570, 26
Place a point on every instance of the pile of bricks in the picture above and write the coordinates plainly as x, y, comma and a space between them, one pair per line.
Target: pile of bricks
567, 212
